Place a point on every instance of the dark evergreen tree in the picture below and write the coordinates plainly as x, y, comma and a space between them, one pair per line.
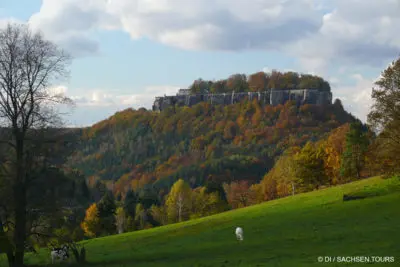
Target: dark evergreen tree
85, 190
107, 209
148, 196
130, 203
213, 186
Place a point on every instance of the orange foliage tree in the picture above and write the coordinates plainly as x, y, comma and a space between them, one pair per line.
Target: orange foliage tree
334, 147
237, 194
91, 224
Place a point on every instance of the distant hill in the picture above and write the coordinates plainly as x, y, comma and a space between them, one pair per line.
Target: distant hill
134, 148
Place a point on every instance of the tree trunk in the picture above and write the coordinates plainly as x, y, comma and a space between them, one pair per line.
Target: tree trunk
180, 204
6, 246
20, 222
10, 258
180, 213
20, 207
292, 188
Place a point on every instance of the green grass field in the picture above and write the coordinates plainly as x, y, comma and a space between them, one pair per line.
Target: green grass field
292, 231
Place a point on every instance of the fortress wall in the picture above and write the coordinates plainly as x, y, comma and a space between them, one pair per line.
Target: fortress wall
269, 97
218, 99
311, 97
297, 95
277, 97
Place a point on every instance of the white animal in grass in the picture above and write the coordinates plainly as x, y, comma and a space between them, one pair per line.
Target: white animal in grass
239, 233
59, 254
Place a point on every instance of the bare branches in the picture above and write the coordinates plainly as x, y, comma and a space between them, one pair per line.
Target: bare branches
28, 66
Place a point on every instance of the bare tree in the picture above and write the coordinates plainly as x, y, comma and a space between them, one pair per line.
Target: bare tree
29, 65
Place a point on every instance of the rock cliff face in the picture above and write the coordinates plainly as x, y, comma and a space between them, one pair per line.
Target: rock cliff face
270, 97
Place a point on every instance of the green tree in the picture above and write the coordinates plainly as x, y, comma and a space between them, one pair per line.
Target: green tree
107, 211
140, 216
159, 214
310, 166
214, 186
384, 116
85, 190
237, 83
179, 201
148, 196
204, 204
200, 86
284, 173
353, 158
130, 203
130, 224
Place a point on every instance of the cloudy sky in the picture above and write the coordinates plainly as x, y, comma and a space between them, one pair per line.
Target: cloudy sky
126, 52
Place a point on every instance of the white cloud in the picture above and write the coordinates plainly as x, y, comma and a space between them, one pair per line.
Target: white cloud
217, 25
195, 24
354, 33
70, 22
102, 98
347, 31
60, 89
266, 70
356, 98
95, 105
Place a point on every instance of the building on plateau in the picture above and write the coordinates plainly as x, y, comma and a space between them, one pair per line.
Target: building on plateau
270, 97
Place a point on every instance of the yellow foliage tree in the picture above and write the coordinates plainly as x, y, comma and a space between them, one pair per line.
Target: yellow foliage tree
91, 224
334, 147
241, 121
120, 220
256, 118
282, 180
139, 217
256, 194
179, 201
205, 204
159, 214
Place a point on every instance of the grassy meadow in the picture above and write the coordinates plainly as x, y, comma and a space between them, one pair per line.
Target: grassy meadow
291, 231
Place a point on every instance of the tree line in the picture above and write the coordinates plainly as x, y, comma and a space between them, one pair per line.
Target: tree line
260, 81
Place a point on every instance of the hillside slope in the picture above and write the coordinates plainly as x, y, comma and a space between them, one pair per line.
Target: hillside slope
240, 141
292, 231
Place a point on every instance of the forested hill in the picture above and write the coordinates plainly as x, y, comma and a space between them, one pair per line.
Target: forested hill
199, 143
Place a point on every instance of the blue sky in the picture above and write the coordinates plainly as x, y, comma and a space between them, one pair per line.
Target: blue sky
126, 52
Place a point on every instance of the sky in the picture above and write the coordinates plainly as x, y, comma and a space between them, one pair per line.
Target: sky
126, 52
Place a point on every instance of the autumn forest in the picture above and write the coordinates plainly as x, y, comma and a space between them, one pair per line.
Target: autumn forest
189, 162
